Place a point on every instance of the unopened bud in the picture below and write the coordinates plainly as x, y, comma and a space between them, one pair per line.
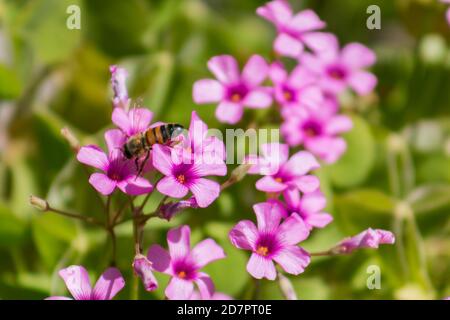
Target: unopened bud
70, 138
143, 269
39, 203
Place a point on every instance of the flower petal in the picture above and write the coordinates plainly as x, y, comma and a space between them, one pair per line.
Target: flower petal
179, 240
172, 188
357, 56
244, 235
225, 68
135, 186
159, 258
139, 119
292, 259
306, 20
115, 139
268, 216
338, 124
205, 286
108, 285
288, 46
120, 119
179, 289
307, 183
77, 282
205, 191
258, 99
301, 163
229, 112
93, 156
313, 202
362, 82
277, 12
207, 91
292, 230
162, 159
260, 267
206, 252
255, 71
102, 183
269, 184
321, 42
58, 298
319, 220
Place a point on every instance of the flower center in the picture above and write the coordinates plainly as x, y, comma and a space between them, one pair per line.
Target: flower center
337, 73
115, 177
262, 251
312, 129
182, 274
279, 179
236, 97
181, 178
287, 95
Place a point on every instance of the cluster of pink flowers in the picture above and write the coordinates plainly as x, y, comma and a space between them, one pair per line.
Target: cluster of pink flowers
307, 97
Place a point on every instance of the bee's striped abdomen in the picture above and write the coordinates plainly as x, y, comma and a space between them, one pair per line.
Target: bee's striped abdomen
159, 137
150, 136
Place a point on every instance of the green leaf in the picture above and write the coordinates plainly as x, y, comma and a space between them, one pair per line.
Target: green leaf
429, 198
357, 162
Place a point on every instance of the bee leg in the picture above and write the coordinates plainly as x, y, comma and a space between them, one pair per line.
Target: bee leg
136, 163
143, 163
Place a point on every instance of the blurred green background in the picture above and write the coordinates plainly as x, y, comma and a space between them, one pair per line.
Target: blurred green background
395, 175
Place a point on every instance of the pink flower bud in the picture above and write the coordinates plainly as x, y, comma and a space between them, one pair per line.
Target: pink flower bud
143, 269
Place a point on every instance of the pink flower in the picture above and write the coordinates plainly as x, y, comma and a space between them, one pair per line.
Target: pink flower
233, 90
118, 83
271, 241
181, 177
370, 238
295, 90
143, 269
281, 172
318, 132
309, 207
184, 264
78, 284
206, 149
133, 121
117, 171
294, 31
448, 11
344, 68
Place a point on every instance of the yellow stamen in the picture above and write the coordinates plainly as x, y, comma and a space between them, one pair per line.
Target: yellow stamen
181, 178
278, 179
182, 274
236, 97
287, 95
262, 251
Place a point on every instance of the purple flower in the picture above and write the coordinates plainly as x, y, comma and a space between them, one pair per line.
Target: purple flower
181, 177
272, 241
317, 131
309, 207
233, 90
282, 173
117, 171
143, 269
184, 264
199, 146
78, 284
133, 121
370, 238
118, 82
169, 210
294, 31
295, 90
344, 68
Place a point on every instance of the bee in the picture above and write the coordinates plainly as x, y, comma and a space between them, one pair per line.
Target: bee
141, 143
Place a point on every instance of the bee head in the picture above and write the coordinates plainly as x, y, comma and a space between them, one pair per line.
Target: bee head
176, 130
126, 152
